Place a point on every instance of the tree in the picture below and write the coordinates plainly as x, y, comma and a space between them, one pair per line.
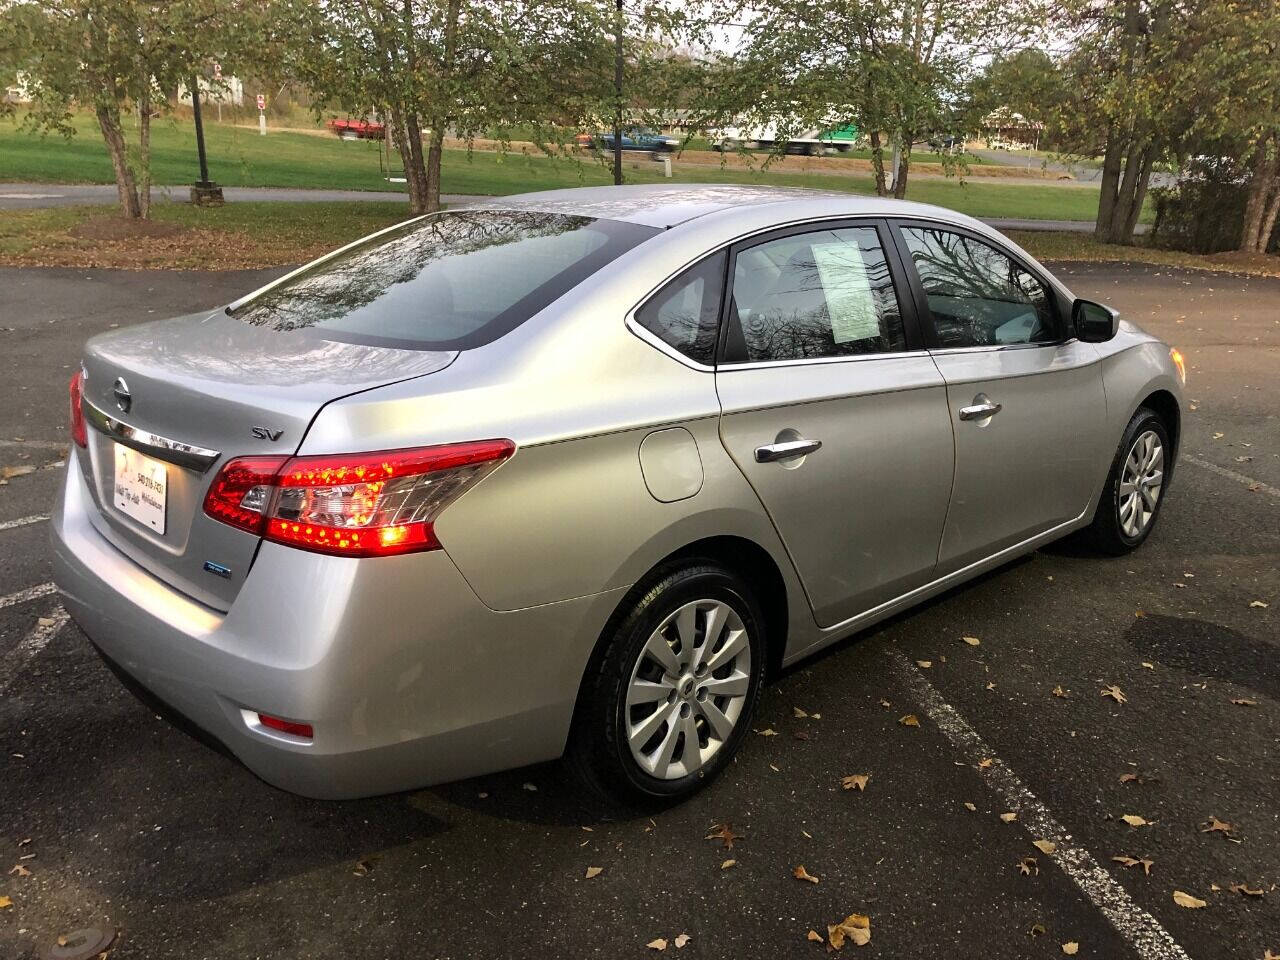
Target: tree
113, 57
895, 68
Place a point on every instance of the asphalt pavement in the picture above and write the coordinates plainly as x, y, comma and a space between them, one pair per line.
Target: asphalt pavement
126, 824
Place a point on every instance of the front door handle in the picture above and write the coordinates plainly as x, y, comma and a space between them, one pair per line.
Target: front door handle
982, 408
786, 450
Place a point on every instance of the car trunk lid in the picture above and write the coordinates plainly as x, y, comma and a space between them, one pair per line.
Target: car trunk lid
174, 401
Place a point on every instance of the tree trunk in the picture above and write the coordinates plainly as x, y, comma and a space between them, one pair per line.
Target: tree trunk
900, 175
877, 164
1110, 186
1136, 194
109, 122
413, 161
1261, 182
1269, 220
144, 151
434, 152
414, 174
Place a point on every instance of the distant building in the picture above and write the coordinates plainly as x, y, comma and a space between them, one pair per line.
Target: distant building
225, 90
1003, 128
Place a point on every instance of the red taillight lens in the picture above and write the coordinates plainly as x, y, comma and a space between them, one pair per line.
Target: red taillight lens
286, 726
358, 505
78, 432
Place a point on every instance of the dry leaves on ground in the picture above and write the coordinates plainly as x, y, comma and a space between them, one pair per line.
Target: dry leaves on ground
924, 664
856, 928
1009, 817
1258, 603
856, 781
658, 944
1115, 693
1071, 948
1214, 825
594, 872
813, 936
986, 763
1045, 846
724, 832
1244, 702
1059, 692
19, 871
1245, 890
681, 940
800, 873
5, 903
767, 732
971, 641
1129, 862
1133, 820
1029, 867
728, 863
1187, 900
909, 720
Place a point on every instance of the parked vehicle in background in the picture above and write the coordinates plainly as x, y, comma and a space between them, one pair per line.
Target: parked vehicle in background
573, 472
640, 138
350, 129
811, 142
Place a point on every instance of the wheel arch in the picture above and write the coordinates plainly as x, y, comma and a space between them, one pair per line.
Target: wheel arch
1165, 405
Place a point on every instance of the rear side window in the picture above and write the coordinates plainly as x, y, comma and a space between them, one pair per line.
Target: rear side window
977, 295
447, 282
827, 293
685, 314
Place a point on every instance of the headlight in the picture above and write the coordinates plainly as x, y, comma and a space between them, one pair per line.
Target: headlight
1180, 362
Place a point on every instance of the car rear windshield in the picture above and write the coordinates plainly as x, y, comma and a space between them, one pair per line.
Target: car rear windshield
449, 281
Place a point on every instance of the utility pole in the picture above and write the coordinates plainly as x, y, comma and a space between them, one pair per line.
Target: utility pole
617, 95
204, 192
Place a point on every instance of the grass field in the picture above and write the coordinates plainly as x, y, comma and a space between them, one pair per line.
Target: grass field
240, 157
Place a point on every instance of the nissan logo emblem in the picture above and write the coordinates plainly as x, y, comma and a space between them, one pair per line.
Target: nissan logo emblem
124, 399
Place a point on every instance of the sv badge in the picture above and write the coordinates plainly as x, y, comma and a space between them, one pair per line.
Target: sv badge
265, 433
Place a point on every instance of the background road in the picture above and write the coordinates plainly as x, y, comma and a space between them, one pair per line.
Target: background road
130, 825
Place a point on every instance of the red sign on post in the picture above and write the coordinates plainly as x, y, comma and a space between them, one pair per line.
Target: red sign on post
262, 102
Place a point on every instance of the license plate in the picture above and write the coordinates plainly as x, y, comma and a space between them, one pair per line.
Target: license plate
142, 485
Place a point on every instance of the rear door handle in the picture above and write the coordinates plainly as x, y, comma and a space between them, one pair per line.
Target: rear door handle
787, 450
981, 408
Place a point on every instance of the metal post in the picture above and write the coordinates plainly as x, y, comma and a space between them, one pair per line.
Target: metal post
617, 93
204, 192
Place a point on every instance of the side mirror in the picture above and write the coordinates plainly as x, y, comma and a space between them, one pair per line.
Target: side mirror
1094, 322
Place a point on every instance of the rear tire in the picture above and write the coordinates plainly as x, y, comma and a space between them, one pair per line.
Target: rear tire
671, 692
1135, 488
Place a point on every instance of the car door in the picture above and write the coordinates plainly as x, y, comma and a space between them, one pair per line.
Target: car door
835, 412
1025, 396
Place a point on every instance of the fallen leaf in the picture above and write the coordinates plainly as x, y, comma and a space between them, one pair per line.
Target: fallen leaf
19, 871
971, 641
1268, 955
1133, 820
768, 732
531, 787
727, 864
8, 473
1128, 862
1243, 888
1045, 846
813, 936
886, 704
802, 735
5, 903
1029, 867
1218, 436
1214, 825
1059, 692
909, 720
800, 873
991, 684
1071, 948
1258, 603
1130, 778
1245, 702
724, 831
1147, 663
856, 927
1009, 817
798, 713
1115, 693
985, 763
970, 807
856, 781
925, 664
364, 866
681, 940
658, 944
594, 872
1187, 900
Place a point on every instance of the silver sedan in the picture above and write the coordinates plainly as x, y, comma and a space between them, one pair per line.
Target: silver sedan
571, 473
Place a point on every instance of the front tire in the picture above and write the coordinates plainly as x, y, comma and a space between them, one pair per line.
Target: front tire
671, 694
1131, 500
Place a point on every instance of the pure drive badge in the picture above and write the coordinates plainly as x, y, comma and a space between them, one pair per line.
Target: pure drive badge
217, 569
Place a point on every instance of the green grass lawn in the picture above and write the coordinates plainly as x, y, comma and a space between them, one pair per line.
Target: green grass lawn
240, 157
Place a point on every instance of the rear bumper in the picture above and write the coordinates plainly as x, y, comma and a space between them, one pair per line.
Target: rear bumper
406, 676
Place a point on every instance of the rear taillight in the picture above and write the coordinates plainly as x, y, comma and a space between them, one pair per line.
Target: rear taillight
357, 505
78, 432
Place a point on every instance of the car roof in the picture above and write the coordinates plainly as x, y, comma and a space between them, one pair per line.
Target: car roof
668, 205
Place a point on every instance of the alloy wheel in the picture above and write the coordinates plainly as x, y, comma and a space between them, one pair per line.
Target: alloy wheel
1140, 484
687, 689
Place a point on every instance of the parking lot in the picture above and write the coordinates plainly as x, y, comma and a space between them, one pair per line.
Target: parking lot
121, 822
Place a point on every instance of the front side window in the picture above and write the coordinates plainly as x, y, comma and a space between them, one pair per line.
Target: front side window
685, 314
977, 295
451, 281
827, 293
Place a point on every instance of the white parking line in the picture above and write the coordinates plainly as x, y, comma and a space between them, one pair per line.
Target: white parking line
37, 639
1249, 482
31, 593
23, 521
1143, 932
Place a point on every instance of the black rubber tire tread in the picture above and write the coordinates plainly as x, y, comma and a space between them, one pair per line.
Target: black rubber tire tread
1105, 534
597, 752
